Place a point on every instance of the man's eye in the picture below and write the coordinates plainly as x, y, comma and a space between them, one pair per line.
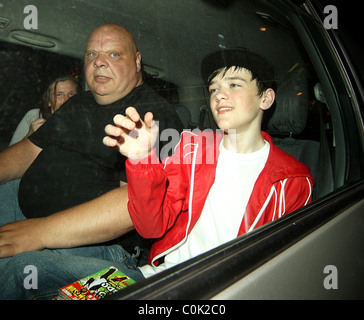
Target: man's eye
91, 55
114, 54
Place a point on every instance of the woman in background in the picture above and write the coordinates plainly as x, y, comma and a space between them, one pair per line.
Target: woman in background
58, 92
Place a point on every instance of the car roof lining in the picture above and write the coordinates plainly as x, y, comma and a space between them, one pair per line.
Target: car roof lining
160, 30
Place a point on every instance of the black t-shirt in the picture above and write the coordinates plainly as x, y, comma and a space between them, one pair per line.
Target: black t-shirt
74, 165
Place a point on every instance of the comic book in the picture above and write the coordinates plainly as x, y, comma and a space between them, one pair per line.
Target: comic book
95, 286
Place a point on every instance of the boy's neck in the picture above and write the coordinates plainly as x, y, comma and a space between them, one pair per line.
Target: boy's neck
243, 142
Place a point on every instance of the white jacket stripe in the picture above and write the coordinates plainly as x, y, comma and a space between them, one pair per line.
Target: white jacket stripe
189, 210
272, 190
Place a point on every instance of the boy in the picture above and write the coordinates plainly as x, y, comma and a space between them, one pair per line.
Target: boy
217, 185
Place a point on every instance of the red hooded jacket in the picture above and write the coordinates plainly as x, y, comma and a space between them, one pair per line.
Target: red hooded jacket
166, 200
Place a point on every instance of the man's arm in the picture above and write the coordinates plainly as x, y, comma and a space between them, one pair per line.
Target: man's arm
95, 221
15, 160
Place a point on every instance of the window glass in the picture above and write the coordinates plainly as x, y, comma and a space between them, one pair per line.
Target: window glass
301, 120
25, 75
306, 118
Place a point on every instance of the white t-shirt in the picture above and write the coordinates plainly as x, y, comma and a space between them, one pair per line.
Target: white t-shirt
224, 207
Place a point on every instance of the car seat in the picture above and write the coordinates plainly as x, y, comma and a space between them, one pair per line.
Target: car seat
289, 120
184, 115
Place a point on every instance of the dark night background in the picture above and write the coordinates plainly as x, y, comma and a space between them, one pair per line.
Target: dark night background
350, 17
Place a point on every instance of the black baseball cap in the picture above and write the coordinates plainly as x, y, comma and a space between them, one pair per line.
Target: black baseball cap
260, 68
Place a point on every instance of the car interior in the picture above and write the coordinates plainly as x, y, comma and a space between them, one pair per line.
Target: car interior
172, 50
173, 37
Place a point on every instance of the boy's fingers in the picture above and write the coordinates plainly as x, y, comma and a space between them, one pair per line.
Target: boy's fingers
107, 141
132, 114
124, 122
112, 130
148, 119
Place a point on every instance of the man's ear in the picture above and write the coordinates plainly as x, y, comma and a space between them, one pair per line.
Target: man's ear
138, 61
267, 99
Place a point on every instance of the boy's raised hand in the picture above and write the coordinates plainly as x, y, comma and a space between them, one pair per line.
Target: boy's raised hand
131, 136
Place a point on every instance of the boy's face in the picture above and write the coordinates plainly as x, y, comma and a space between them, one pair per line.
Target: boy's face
235, 102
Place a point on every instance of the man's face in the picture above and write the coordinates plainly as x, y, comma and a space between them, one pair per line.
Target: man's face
112, 64
234, 100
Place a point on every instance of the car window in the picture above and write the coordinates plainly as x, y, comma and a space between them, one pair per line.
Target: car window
316, 117
313, 116
306, 121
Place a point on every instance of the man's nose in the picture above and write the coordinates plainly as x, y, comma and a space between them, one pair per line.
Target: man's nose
100, 61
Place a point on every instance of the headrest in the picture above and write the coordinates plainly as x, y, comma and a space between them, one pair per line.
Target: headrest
257, 65
290, 116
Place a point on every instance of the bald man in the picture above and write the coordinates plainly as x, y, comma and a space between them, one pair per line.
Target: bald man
73, 190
